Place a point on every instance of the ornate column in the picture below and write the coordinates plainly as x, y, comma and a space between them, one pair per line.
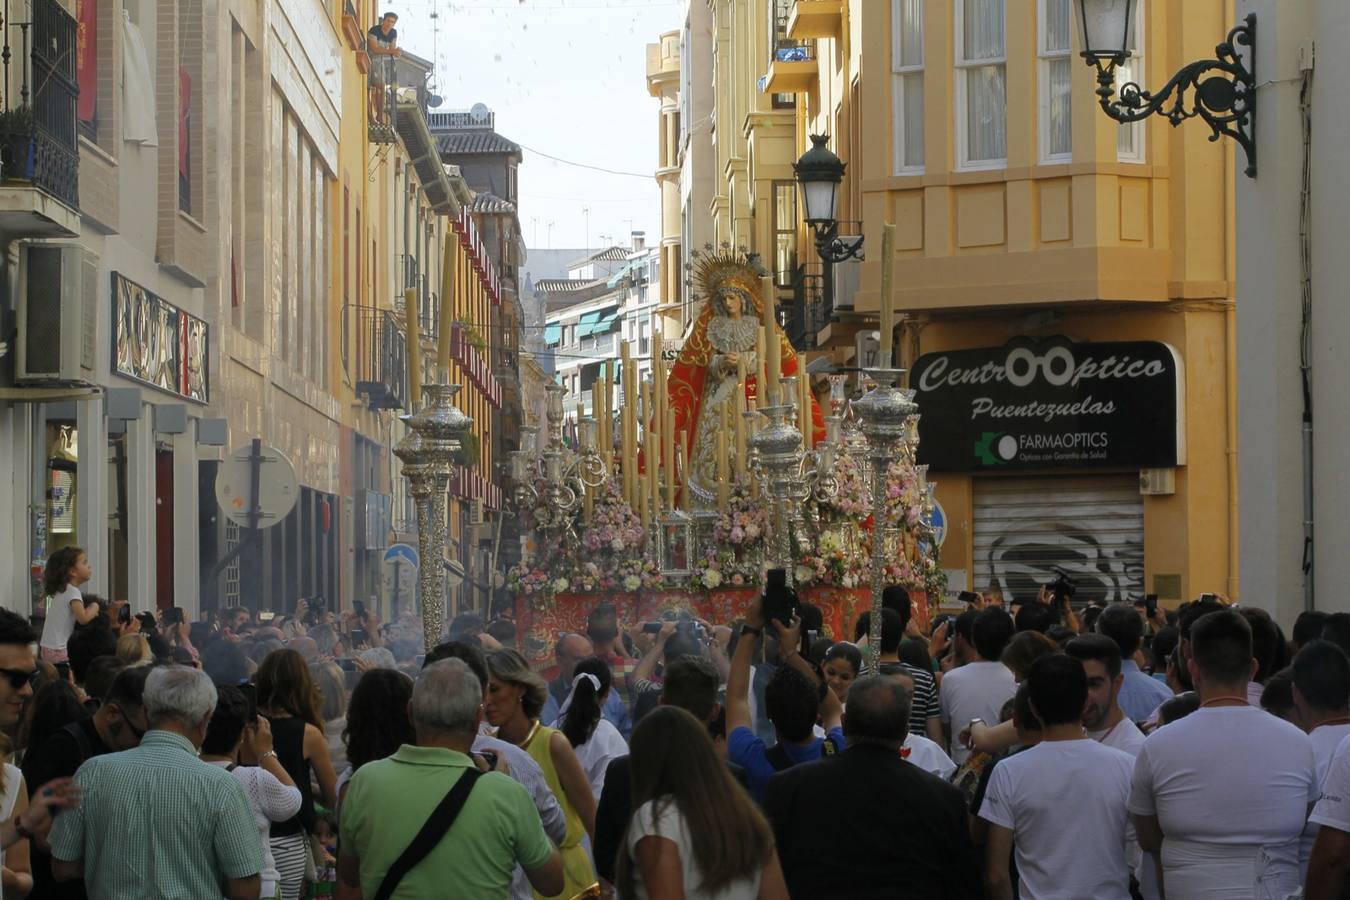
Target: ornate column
427, 452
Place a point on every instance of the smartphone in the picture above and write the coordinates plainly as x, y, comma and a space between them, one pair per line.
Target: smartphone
1214, 597
651, 627
968, 597
346, 664
124, 614
250, 692
266, 616
359, 607
489, 757
360, 636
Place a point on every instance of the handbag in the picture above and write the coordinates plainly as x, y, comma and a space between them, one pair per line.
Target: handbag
435, 828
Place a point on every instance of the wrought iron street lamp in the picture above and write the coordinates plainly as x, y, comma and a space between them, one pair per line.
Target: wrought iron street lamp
1221, 91
819, 173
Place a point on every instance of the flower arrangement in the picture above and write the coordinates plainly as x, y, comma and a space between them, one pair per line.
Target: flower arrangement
904, 497
745, 522
614, 528
850, 501
829, 563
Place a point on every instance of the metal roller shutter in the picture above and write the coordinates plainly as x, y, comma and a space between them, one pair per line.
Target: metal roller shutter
1093, 527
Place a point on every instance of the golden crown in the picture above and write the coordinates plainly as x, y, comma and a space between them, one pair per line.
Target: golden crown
714, 269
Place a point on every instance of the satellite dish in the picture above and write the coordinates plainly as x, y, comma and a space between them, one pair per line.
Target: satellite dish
434, 100
479, 112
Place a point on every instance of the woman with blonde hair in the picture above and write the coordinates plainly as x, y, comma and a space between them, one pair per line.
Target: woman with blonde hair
16, 876
516, 695
290, 701
695, 833
133, 649
332, 684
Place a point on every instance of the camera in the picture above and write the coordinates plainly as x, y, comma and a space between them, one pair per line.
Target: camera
689, 626
1063, 587
780, 601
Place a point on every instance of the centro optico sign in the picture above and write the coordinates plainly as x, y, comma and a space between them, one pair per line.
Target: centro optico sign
1053, 403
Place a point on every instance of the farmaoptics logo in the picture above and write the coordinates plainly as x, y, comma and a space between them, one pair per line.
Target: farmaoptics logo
995, 448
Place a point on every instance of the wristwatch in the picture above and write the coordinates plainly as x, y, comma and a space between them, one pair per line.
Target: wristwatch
750, 629
271, 753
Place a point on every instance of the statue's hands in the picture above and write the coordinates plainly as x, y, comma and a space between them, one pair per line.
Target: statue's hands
730, 361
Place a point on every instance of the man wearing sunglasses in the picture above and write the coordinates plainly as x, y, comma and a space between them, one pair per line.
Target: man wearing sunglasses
17, 667
118, 724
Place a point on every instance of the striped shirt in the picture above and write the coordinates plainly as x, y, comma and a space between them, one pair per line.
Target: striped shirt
157, 822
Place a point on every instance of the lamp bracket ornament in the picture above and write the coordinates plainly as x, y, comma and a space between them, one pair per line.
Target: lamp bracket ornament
1221, 91
835, 249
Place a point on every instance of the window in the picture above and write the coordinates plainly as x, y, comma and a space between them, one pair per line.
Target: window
907, 84
1130, 138
784, 233
981, 85
1055, 68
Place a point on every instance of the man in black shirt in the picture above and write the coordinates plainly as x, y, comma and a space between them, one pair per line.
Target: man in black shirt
904, 833
118, 725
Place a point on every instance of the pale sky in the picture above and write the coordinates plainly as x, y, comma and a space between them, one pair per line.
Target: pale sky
566, 78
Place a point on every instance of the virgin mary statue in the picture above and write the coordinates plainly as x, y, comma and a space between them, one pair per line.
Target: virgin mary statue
720, 343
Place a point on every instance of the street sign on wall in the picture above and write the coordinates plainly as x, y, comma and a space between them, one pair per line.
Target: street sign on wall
1051, 404
278, 488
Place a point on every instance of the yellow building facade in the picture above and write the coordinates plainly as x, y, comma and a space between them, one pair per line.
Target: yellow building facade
1035, 237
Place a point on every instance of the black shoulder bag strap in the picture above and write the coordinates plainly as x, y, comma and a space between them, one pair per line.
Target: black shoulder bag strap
436, 827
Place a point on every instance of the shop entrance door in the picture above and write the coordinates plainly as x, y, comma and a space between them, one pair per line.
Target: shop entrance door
1091, 526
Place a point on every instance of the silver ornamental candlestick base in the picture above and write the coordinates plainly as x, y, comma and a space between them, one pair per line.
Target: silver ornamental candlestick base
427, 451
778, 458
884, 413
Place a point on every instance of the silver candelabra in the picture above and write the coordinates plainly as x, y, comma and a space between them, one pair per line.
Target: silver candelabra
435, 435
885, 413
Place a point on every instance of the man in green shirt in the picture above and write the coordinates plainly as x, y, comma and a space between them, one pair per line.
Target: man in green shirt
156, 821
389, 801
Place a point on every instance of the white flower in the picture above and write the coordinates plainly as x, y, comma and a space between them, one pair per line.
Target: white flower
850, 580
712, 578
805, 574
632, 583
617, 545
561, 584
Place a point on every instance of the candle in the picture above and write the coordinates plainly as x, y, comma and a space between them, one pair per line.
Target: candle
414, 349
887, 294
804, 404
760, 369
650, 452
668, 454
682, 471
774, 346
625, 412
739, 413
722, 468
448, 260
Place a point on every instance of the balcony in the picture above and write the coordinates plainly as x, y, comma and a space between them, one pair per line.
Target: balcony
39, 150
792, 69
808, 313
381, 359
815, 19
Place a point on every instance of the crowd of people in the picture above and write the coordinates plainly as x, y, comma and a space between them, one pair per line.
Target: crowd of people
1041, 749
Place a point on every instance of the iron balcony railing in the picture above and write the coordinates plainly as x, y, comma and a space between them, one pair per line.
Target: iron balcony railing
381, 359
39, 119
808, 313
784, 48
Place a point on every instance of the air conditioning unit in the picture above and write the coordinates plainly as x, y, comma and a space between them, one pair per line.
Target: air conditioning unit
56, 296
475, 512
1157, 482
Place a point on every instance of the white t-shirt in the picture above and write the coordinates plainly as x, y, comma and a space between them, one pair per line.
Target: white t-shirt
670, 824
60, 621
1328, 743
976, 690
13, 778
1124, 736
604, 746
1068, 845
929, 756
1230, 775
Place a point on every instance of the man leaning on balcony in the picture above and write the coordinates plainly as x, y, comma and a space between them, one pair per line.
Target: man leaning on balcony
382, 45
